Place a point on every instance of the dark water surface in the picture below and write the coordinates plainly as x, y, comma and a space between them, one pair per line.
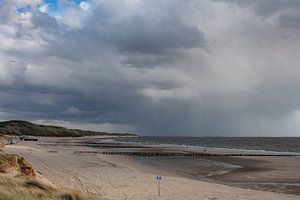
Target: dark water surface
279, 144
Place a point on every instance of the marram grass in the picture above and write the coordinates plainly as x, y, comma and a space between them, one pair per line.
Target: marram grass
27, 187
31, 189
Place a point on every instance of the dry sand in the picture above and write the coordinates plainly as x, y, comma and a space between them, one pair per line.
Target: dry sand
123, 177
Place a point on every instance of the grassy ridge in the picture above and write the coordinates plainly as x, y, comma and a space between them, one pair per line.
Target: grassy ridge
17, 127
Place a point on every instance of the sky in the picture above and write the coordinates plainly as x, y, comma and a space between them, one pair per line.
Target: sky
168, 67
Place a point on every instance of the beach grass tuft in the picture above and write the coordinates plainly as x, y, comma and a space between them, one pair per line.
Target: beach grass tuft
32, 189
27, 187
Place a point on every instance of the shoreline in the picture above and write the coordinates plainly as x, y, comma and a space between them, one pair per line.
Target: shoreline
213, 149
216, 148
109, 174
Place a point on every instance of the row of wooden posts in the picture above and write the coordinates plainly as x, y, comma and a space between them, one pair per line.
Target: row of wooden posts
171, 154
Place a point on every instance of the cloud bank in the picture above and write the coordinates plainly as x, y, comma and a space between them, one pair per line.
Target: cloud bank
165, 67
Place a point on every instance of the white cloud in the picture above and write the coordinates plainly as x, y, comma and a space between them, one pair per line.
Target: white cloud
72, 110
84, 5
44, 8
26, 2
105, 127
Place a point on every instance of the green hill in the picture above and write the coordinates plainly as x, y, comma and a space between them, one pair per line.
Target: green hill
18, 127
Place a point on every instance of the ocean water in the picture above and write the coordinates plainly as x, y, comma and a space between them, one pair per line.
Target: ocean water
278, 144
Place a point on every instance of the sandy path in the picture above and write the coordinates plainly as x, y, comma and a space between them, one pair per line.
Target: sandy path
120, 178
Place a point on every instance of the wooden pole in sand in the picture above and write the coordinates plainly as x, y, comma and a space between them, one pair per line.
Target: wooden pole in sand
158, 185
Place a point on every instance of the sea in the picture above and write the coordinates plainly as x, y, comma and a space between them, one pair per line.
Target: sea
277, 144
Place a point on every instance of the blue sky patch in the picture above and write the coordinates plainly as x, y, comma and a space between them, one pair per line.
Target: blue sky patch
53, 6
24, 9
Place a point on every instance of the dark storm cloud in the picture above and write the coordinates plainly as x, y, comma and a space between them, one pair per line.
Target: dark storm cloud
146, 40
266, 7
160, 67
149, 61
290, 20
43, 20
287, 11
270, 7
145, 36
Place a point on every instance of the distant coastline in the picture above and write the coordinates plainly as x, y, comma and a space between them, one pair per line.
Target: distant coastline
19, 128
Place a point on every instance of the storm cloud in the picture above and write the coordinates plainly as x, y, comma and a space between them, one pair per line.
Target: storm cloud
165, 67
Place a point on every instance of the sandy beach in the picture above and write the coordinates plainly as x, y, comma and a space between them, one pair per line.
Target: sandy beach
125, 177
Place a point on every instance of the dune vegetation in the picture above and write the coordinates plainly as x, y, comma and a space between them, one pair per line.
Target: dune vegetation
32, 189
23, 185
19, 128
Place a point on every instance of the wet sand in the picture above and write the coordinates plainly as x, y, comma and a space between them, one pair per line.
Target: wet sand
278, 174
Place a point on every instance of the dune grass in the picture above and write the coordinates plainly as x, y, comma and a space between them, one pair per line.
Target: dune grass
28, 187
11, 161
32, 189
